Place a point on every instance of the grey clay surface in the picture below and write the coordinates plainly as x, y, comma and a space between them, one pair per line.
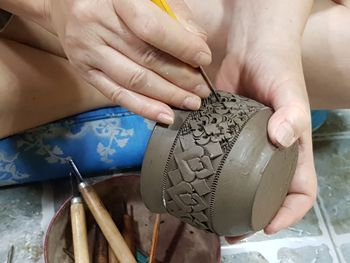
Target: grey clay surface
215, 168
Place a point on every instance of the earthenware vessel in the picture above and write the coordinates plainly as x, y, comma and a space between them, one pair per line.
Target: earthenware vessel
175, 237
216, 169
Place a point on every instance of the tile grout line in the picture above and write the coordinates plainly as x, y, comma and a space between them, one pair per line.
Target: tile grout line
269, 248
342, 239
329, 228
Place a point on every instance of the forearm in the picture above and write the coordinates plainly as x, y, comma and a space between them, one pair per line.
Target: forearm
275, 20
35, 10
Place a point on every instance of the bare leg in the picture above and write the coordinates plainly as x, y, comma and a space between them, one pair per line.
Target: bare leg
326, 42
37, 87
326, 56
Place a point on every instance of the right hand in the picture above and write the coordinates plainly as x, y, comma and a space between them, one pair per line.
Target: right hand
135, 53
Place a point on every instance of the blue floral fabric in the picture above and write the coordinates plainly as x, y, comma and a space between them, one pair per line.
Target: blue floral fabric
99, 141
319, 117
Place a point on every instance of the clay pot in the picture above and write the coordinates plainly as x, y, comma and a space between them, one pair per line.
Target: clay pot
178, 242
216, 169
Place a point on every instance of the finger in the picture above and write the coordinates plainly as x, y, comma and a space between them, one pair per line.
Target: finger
133, 77
157, 28
168, 67
186, 18
292, 114
233, 240
302, 192
228, 75
293, 210
139, 104
343, 2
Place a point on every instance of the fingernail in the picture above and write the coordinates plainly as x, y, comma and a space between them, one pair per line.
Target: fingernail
203, 58
285, 135
165, 118
192, 103
202, 90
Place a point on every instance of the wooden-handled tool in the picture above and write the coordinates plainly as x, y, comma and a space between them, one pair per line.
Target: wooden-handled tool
111, 257
128, 230
101, 248
104, 220
79, 232
162, 4
154, 244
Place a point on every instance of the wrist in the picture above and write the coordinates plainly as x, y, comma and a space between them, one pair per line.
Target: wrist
36, 11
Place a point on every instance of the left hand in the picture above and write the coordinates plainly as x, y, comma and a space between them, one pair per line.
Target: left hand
268, 68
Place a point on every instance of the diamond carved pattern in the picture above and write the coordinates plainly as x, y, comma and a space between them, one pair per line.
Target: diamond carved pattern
205, 136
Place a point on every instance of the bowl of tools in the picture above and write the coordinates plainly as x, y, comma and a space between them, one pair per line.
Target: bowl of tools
148, 237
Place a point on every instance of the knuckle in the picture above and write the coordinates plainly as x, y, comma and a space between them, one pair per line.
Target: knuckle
137, 80
81, 10
90, 75
150, 56
117, 94
150, 29
145, 111
70, 41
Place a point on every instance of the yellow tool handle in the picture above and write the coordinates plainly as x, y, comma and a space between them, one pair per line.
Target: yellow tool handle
162, 4
80, 241
106, 224
165, 7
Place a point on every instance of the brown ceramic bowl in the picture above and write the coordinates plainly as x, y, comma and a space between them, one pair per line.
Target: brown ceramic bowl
178, 242
216, 169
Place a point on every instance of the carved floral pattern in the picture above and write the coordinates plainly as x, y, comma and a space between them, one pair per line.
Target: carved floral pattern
206, 136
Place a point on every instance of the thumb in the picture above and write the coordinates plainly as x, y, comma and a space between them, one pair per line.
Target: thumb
291, 118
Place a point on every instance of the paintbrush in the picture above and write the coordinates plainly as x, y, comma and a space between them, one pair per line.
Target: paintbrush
154, 244
103, 219
162, 4
78, 221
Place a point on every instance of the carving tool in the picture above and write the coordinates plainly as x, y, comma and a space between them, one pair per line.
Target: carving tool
111, 257
103, 219
141, 256
128, 230
10, 255
92, 240
78, 221
101, 248
68, 253
153, 251
162, 4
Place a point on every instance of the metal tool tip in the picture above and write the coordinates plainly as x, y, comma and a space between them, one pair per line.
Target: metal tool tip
75, 169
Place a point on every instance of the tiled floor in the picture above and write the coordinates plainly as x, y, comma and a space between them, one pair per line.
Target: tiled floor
322, 236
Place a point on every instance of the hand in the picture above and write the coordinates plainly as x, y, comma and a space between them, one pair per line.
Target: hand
134, 53
264, 63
